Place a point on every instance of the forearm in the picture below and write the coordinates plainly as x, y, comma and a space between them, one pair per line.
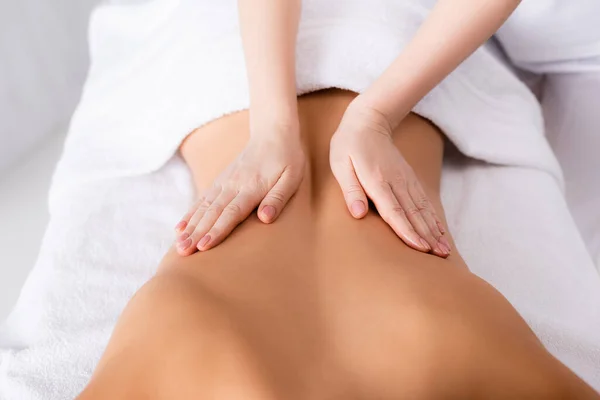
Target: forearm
269, 29
453, 30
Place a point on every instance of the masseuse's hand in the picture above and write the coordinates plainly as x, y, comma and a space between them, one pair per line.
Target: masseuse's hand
366, 162
266, 174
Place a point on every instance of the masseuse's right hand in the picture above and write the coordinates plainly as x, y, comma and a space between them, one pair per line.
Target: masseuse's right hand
266, 174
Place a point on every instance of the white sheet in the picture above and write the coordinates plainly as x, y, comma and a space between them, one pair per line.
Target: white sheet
571, 104
528, 248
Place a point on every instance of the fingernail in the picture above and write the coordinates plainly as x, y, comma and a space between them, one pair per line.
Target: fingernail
181, 225
268, 212
446, 243
441, 227
183, 237
425, 244
445, 249
204, 241
358, 208
185, 244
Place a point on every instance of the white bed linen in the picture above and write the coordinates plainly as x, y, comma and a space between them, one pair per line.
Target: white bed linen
511, 225
571, 104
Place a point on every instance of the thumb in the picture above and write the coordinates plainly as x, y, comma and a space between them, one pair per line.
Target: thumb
355, 197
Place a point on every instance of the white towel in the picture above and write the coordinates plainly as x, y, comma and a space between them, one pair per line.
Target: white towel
162, 68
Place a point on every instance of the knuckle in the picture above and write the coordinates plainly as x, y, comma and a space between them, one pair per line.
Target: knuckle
277, 195
256, 183
214, 232
232, 209
399, 179
393, 212
230, 189
380, 176
214, 210
423, 203
432, 226
435, 229
354, 189
204, 204
412, 211
195, 236
189, 229
384, 185
397, 209
427, 215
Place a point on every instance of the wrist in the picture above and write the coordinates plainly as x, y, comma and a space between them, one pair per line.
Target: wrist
364, 112
274, 121
392, 112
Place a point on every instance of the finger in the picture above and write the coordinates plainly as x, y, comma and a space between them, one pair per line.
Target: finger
442, 245
414, 216
186, 243
392, 212
210, 216
233, 214
440, 225
194, 215
430, 216
278, 196
183, 223
356, 199
186, 218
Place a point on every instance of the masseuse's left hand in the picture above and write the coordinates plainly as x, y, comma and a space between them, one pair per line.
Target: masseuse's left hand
366, 162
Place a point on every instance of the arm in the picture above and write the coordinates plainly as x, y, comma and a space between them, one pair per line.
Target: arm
453, 31
364, 162
269, 29
270, 168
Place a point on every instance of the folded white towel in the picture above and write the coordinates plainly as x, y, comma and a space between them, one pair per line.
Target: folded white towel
162, 68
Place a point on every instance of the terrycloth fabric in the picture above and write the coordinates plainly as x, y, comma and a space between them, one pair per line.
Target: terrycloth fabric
162, 68
511, 225
554, 35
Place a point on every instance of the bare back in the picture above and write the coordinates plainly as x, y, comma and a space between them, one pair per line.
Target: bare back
319, 305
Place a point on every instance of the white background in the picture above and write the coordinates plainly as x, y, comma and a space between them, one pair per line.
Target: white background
43, 63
